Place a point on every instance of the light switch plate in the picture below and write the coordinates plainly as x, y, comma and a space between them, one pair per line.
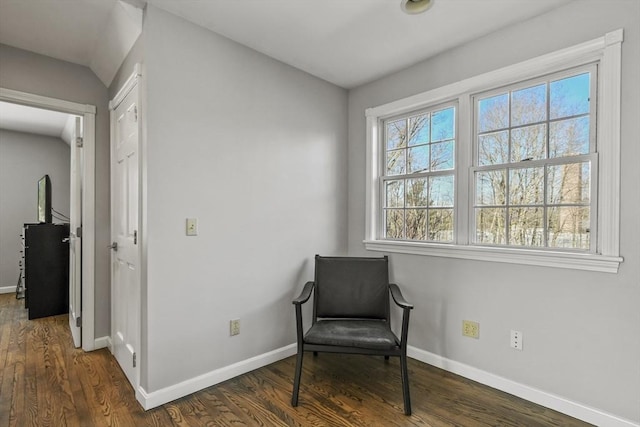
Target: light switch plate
192, 226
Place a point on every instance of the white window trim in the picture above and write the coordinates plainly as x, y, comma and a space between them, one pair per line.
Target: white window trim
607, 51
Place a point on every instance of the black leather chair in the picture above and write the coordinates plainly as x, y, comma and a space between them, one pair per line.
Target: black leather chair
351, 314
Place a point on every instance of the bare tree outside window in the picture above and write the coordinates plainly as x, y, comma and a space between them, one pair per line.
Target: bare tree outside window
533, 180
419, 180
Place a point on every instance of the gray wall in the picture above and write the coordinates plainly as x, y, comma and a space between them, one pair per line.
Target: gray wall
256, 150
580, 328
135, 55
24, 159
42, 75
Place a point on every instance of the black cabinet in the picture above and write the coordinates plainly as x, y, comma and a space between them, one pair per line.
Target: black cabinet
46, 269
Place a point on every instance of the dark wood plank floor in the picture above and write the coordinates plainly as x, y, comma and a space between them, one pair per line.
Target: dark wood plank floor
44, 381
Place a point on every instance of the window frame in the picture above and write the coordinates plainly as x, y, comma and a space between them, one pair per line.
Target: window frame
591, 156
604, 51
384, 178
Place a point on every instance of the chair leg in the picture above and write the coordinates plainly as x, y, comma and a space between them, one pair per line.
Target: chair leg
386, 358
296, 381
405, 384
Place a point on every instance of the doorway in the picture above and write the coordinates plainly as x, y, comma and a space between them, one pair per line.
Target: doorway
86, 208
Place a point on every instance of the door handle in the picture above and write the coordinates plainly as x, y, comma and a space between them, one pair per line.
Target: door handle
114, 246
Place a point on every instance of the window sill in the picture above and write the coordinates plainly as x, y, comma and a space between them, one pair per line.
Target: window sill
576, 261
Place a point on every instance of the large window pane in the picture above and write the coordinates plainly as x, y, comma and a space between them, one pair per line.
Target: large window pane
396, 162
441, 191
569, 184
546, 124
395, 194
442, 155
528, 143
443, 125
493, 113
416, 224
417, 192
568, 227
529, 105
491, 226
396, 134
441, 225
570, 96
526, 226
394, 222
526, 186
417, 148
569, 137
419, 129
418, 159
493, 148
491, 187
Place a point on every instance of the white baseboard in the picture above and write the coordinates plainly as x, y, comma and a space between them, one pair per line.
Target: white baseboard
176, 391
7, 289
548, 400
102, 342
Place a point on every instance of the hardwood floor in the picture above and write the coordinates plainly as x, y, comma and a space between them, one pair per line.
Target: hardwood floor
44, 381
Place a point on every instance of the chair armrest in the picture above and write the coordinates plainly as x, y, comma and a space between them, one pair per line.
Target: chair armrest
304, 297
305, 294
398, 298
406, 310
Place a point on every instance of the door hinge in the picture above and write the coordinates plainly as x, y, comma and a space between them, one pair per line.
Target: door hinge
79, 322
79, 232
135, 113
134, 360
135, 237
79, 142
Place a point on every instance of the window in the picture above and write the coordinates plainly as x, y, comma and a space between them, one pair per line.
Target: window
534, 160
519, 165
419, 181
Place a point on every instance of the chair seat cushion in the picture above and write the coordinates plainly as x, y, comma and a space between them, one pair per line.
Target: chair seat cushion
369, 334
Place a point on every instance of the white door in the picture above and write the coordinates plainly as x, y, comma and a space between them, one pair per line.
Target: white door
125, 254
75, 235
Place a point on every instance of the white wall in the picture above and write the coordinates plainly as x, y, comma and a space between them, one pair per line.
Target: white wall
580, 328
41, 75
24, 159
256, 150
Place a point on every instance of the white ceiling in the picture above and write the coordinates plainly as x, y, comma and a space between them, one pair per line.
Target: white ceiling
94, 33
346, 42
351, 42
21, 118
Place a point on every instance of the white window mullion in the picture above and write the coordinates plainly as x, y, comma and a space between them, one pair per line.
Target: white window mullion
595, 216
373, 187
464, 159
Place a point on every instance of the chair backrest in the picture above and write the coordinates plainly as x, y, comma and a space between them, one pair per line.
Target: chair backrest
350, 287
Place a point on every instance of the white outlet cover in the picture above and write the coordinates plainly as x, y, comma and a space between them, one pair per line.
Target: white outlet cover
516, 340
192, 227
234, 327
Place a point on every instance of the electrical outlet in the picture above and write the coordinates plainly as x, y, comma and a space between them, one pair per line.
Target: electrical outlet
192, 227
516, 340
234, 327
470, 329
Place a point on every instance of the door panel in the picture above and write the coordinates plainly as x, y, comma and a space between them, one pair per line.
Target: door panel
75, 240
125, 219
